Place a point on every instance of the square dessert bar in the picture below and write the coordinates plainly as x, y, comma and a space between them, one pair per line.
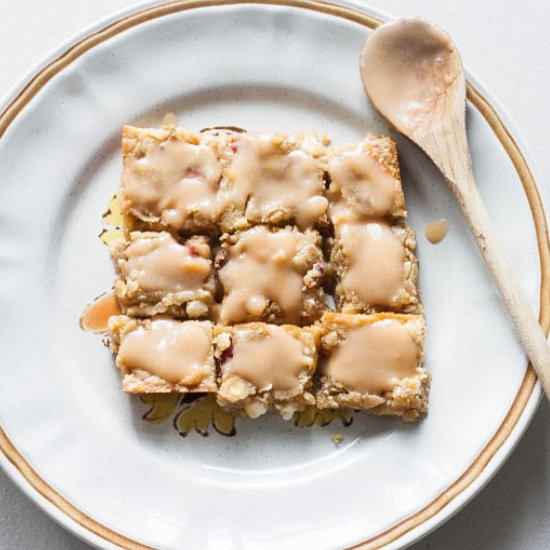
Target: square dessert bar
163, 355
273, 275
170, 180
158, 274
272, 178
376, 269
373, 362
364, 181
265, 367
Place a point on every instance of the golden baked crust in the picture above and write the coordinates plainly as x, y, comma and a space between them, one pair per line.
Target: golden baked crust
308, 262
140, 381
407, 299
409, 396
383, 151
135, 300
244, 208
138, 144
242, 396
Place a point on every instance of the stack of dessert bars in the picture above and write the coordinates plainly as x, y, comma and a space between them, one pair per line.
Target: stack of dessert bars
272, 269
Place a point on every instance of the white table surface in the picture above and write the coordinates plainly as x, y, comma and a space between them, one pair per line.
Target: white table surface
507, 45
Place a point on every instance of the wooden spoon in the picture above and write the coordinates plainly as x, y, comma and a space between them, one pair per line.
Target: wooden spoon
413, 75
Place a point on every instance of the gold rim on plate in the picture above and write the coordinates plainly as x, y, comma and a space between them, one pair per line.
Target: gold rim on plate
505, 138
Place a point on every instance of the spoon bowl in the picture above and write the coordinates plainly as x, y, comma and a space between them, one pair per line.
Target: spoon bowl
412, 72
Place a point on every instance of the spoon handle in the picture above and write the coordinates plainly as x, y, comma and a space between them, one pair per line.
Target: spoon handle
527, 326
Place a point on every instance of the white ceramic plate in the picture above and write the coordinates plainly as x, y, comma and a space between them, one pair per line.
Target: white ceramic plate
78, 446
